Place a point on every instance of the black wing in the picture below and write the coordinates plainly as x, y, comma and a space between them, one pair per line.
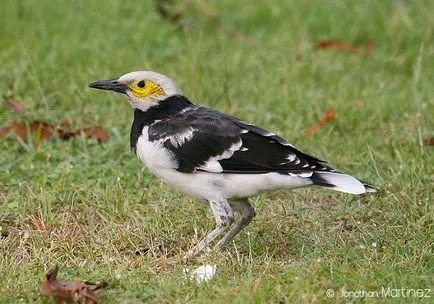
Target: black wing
205, 140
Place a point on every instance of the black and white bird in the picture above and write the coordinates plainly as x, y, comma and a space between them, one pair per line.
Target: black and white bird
214, 156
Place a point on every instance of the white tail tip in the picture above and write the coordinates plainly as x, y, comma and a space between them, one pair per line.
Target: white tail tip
339, 182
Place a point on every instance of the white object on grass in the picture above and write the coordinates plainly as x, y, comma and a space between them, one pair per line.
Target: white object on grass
200, 274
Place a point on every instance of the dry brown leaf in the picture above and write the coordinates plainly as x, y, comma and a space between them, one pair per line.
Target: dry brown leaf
23, 129
327, 118
97, 133
64, 291
15, 106
429, 141
65, 123
44, 130
331, 44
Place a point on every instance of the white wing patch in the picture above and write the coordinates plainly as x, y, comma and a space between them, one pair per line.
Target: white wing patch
305, 174
179, 139
213, 165
291, 157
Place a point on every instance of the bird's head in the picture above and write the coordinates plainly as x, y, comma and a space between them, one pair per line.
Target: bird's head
143, 89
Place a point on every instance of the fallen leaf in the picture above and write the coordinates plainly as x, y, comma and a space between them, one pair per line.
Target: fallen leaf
65, 123
429, 141
14, 106
43, 130
97, 133
64, 291
327, 118
40, 128
344, 46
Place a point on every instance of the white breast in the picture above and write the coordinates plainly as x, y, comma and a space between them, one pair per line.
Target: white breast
153, 155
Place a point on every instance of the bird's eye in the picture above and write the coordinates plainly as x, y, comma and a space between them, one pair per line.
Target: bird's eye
141, 84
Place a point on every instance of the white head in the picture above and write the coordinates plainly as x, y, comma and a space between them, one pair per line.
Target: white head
143, 89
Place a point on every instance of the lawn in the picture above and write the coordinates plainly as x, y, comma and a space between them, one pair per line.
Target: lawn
95, 211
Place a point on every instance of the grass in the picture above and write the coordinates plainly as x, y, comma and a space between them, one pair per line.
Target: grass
95, 211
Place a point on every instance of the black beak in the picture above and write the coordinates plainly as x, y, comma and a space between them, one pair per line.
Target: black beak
110, 85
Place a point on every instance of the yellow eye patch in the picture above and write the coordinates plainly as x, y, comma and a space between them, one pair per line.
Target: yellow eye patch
146, 89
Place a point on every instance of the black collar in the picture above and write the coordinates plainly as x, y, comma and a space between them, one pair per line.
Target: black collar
165, 109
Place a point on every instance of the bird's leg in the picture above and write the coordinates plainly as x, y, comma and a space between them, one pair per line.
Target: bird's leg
224, 217
247, 213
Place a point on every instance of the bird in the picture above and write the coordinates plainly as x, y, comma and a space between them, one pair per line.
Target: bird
214, 156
